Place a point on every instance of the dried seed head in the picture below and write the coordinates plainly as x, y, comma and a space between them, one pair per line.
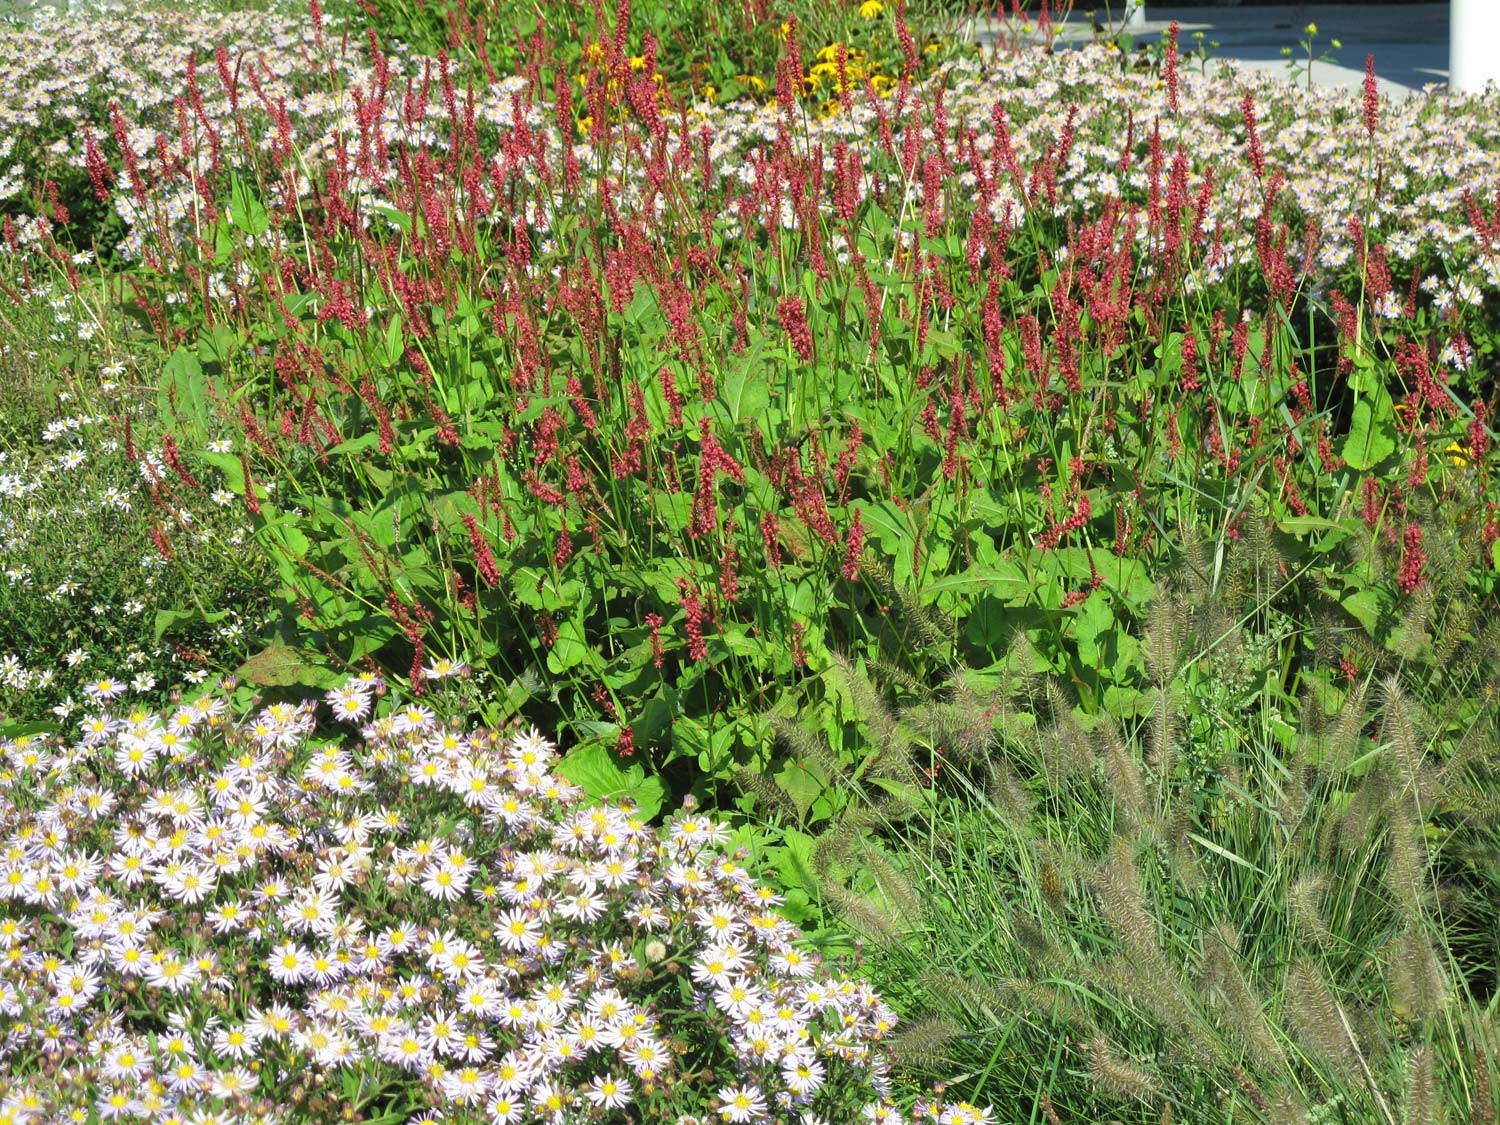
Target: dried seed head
1118, 1075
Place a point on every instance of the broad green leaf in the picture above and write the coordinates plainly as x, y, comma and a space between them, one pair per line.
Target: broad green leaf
1369, 606
218, 344
167, 618
593, 768
1004, 581
293, 539
1306, 525
744, 394
675, 509
395, 346
399, 219
570, 649
889, 526
278, 665
233, 469
16, 729
713, 746
1372, 431
246, 211
801, 785
367, 440
1104, 647
182, 394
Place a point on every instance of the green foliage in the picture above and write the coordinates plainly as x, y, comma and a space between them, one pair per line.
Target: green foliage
612, 471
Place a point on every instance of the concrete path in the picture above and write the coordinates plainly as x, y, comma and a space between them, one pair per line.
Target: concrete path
1409, 41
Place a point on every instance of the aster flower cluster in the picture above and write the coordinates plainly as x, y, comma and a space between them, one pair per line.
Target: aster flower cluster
208, 920
71, 510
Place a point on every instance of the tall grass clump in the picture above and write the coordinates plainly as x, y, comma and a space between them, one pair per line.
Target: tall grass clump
1284, 916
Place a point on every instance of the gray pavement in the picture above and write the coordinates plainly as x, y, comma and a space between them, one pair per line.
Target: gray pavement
1409, 41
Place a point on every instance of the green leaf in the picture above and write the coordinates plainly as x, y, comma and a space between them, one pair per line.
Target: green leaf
166, 618
595, 770
278, 665
223, 243
357, 445
395, 346
796, 862
218, 344
1369, 607
891, 528
674, 509
17, 728
233, 469
1004, 581
182, 394
1372, 431
1103, 646
802, 785
246, 211
293, 539
744, 394
1306, 525
570, 649
400, 219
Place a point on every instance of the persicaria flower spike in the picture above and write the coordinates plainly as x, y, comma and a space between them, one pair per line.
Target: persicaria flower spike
793, 318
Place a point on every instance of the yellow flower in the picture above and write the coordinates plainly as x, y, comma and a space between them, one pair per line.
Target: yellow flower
784, 32
754, 81
638, 62
711, 93
1312, 29
585, 124
1459, 455
870, 9
829, 53
593, 53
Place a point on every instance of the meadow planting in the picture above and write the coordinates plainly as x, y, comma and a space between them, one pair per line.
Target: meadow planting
725, 562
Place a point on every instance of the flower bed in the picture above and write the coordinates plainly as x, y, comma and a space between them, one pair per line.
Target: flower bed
212, 919
692, 431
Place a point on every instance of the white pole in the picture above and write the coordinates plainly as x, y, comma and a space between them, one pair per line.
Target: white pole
1135, 13
1473, 44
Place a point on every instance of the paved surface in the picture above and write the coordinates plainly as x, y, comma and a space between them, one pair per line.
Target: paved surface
1409, 41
